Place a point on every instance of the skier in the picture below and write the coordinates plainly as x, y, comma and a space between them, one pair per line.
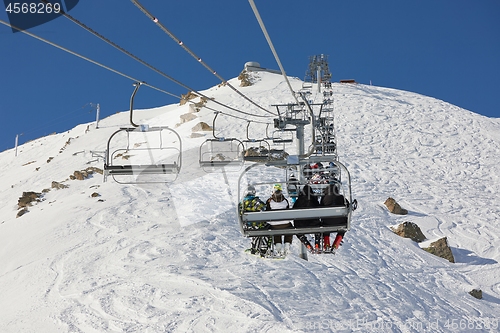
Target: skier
292, 188
278, 201
252, 203
307, 199
332, 198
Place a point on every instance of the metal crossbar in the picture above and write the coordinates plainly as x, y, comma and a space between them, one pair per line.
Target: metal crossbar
295, 214
141, 169
297, 231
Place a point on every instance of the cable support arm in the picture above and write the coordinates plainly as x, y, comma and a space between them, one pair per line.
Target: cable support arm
180, 43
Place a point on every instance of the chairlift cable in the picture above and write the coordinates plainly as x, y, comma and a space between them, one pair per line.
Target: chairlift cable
121, 49
85, 58
180, 43
273, 50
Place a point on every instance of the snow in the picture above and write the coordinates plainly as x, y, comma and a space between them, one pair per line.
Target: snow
170, 257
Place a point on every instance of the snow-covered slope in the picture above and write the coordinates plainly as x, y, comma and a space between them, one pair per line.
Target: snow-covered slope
170, 258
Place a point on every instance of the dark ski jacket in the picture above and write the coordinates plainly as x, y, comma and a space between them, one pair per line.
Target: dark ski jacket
332, 198
306, 199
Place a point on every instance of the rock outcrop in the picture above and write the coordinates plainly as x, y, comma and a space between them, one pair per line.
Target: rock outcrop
394, 207
409, 230
441, 249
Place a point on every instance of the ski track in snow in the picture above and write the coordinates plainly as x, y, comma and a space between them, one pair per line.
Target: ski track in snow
170, 258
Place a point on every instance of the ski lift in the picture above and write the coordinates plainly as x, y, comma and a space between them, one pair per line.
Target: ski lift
143, 154
282, 136
221, 152
253, 223
256, 150
278, 149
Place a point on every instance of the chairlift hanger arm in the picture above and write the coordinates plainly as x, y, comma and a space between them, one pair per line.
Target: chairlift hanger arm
248, 125
137, 85
213, 126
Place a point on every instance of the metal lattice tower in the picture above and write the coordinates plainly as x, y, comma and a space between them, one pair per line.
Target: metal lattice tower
325, 137
318, 64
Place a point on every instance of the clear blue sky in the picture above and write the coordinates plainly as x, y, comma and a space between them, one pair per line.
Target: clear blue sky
448, 49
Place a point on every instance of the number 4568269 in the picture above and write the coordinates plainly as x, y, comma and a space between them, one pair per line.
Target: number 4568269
33, 8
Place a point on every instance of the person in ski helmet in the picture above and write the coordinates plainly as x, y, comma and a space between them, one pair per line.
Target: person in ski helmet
251, 202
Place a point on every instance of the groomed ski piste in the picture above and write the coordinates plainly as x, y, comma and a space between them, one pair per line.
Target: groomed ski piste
171, 258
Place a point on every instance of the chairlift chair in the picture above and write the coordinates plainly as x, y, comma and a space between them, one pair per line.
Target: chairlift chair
282, 136
341, 214
143, 154
220, 152
256, 150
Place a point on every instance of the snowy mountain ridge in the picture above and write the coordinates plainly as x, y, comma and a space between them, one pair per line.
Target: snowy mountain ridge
170, 258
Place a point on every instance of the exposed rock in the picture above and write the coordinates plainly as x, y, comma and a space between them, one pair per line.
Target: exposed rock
477, 293
50, 159
80, 175
201, 126
45, 190
197, 135
394, 207
218, 157
245, 79
187, 97
22, 212
91, 170
95, 194
84, 174
58, 186
441, 249
123, 156
187, 117
257, 152
409, 230
27, 198
200, 104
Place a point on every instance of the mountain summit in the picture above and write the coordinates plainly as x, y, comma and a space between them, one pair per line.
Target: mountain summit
94, 256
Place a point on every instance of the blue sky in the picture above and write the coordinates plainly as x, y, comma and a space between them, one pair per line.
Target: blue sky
449, 50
